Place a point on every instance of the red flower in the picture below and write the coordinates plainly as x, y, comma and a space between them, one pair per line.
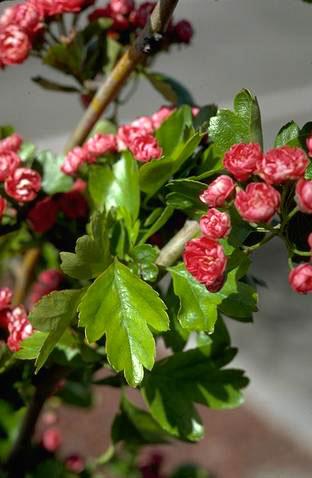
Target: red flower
23, 185
100, 144
161, 115
125, 136
51, 439
183, 31
6, 296
215, 224
3, 205
304, 195
300, 278
310, 241
205, 260
144, 123
258, 203
99, 13
218, 191
27, 16
122, 7
4, 318
145, 148
74, 159
241, 160
73, 204
55, 7
42, 216
139, 17
9, 161
19, 328
75, 463
309, 144
11, 143
282, 164
47, 282
14, 45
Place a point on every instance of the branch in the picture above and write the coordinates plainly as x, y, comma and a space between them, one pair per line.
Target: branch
24, 274
174, 248
135, 54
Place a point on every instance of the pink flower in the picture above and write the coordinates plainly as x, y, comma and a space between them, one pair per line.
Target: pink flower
27, 16
19, 328
73, 204
205, 260
55, 7
6, 296
309, 144
5, 315
282, 164
161, 115
195, 110
145, 148
258, 203
9, 161
139, 17
23, 185
183, 31
75, 463
14, 45
300, 278
42, 216
79, 185
11, 143
7, 17
122, 7
3, 205
218, 191
47, 282
241, 160
126, 134
100, 144
310, 241
304, 195
215, 224
144, 123
74, 159
51, 439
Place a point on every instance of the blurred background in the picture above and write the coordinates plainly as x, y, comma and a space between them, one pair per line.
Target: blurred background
264, 46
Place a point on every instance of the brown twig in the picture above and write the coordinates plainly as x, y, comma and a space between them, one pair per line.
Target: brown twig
24, 274
135, 54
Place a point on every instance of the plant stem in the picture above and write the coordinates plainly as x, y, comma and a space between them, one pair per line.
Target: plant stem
174, 248
135, 54
17, 459
24, 274
266, 239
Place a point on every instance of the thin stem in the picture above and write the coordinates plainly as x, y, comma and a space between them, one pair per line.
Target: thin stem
24, 274
134, 55
302, 253
266, 239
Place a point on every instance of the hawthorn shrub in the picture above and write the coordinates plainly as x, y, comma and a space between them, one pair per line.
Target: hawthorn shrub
140, 237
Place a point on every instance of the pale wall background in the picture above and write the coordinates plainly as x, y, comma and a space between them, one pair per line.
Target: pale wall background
264, 45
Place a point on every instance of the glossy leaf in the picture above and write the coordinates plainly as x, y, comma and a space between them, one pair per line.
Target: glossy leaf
288, 135
243, 125
52, 85
92, 253
178, 382
160, 222
123, 307
144, 258
198, 307
53, 180
171, 89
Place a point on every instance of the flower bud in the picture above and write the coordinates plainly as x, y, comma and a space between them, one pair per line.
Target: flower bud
23, 185
215, 224
241, 160
15, 45
145, 148
218, 191
42, 216
304, 195
300, 278
258, 203
282, 164
9, 161
183, 32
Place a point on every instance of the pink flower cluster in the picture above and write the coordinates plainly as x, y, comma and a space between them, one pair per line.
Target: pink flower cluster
21, 184
13, 320
22, 23
43, 215
137, 136
126, 17
47, 282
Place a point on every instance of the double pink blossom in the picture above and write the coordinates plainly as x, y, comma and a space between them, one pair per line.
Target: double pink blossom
19, 328
74, 159
218, 191
11, 143
215, 224
300, 278
304, 195
145, 148
100, 144
121, 7
258, 203
161, 115
242, 159
206, 261
282, 164
9, 162
15, 45
23, 185
6, 296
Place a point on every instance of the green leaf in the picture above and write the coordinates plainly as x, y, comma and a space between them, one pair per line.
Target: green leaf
53, 314
6, 130
67, 58
184, 194
53, 181
176, 383
176, 338
122, 306
202, 119
308, 173
27, 151
191, 471
288, 135
243, 125
242, 304
103, 126
30, 347
155, 174
158, 224
113, 50
144, 257
116, 187
92, 253
171, 89
136, 426
173, 131
198, 307
52, 85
